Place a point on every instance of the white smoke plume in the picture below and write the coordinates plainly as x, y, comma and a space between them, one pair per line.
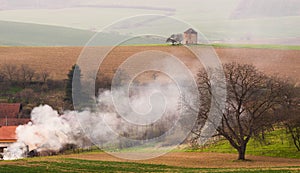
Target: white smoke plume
50, 131
130, 115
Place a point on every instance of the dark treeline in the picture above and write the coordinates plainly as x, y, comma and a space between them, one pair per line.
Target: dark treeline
23, 84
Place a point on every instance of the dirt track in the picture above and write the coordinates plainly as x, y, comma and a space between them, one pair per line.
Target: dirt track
201, 160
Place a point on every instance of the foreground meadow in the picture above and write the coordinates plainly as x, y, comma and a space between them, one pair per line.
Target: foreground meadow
172, 162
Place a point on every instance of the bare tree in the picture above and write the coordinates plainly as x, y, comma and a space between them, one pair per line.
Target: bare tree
10, 72
26, 74
251, 95
290, 113
175, 38
44, 75
293, 128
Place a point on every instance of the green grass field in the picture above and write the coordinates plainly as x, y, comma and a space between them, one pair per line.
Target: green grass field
277, 144
75, 165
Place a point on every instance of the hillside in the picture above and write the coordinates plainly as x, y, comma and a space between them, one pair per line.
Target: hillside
266, 8
25, 34
28, 34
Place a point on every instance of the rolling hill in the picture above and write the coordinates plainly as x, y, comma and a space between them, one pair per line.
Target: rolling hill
266, 8
25, 34
28, 34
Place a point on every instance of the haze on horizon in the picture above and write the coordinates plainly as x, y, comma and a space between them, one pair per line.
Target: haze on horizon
219, 20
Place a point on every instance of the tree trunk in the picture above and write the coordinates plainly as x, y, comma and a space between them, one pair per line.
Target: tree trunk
263, 134
242, 152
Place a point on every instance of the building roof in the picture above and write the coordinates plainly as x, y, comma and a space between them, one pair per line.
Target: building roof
9, 110
13, 121
190, 31
7, 133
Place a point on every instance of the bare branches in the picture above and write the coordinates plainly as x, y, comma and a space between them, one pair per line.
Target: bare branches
291, 113
10, 72
22, 75
26, 74
250, 96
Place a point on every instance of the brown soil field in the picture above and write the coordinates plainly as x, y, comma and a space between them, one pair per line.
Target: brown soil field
200, 160
58, 60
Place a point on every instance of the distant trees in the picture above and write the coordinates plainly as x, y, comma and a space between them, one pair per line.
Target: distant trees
175, 39
23, 84
10, 72
26, 74
22, 75
251, 97
44, 76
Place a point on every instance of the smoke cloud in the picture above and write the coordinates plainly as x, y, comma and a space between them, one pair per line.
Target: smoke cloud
50, 131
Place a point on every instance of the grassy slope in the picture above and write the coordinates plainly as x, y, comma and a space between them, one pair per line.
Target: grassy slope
258, 46
18, 34
76, 165
28, 34
213, 21
278, 144
228, 45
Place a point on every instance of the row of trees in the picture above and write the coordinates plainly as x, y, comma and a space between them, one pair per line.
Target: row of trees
23, 84
254, 103
23, 74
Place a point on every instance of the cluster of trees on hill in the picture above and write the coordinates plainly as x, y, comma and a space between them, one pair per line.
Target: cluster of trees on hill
23, 84
22, 75
255, 103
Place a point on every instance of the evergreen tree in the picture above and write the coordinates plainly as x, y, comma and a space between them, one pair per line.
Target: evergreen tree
73, 85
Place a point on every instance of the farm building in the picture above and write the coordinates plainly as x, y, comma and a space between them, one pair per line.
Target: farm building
10, 110
10, 114
190, 36
7, 136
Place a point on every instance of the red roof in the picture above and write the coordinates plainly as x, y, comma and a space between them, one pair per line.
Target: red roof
9, 110
8, 133
13, 121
